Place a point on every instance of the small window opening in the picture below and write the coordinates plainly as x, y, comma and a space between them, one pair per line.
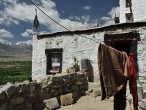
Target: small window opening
54, 61
128, 3
128, 17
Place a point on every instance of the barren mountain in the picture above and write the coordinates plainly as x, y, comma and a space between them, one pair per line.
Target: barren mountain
14, 52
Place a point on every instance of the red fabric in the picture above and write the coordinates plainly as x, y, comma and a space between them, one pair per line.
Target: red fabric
132, 82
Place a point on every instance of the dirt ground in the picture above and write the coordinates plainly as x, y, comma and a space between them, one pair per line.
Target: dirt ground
92, 103
89, 103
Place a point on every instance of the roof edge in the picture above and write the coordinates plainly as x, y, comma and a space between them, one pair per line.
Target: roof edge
104, 28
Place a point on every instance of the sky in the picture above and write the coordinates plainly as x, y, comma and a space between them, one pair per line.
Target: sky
17, 16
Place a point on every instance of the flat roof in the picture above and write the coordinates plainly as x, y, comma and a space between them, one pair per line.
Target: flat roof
93, 30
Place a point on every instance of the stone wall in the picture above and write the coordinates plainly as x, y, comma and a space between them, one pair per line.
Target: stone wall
49, 93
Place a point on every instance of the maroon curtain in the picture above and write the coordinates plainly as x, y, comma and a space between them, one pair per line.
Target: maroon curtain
132, 82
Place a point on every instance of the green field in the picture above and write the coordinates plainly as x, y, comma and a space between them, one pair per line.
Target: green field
14, 71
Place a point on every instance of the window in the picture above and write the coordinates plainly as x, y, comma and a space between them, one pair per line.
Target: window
54, 60
128, 3
129, 17
116, 19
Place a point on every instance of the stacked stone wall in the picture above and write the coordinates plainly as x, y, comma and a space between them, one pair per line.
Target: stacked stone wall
34, 95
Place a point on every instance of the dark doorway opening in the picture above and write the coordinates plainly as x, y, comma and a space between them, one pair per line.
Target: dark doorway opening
122, 45
124, 42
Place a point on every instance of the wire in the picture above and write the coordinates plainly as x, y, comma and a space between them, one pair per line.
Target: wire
48, 16
57, 22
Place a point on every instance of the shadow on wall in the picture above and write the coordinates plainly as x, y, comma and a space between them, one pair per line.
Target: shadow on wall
86, 66
91, 75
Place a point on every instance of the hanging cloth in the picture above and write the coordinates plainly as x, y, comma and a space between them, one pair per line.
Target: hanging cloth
36, 21
132, 81
113, 69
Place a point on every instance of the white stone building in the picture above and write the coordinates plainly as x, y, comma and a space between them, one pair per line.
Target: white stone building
132, 10
58, 49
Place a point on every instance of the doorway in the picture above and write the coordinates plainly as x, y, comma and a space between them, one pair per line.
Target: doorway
124, 42
125, 46
127, 43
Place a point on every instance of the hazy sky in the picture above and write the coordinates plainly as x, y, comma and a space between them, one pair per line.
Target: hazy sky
16, 16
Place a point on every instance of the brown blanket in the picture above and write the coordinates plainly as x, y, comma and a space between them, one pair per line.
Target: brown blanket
113, 70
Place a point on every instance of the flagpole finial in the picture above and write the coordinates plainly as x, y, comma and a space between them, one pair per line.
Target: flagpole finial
36, 11
35, 22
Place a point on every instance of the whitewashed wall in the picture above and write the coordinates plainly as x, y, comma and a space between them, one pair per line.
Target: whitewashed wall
79, 47
73, 46
141, 52
38, 58
138, 9
123, 11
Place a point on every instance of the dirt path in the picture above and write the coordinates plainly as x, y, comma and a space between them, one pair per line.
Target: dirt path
91, 103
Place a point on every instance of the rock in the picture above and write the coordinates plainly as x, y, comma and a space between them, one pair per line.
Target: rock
66, 99
44, 96
82, 92
57, 78
80, 75
3, 106
45, 89
142, 104
75, 94
51, 104
75, 87
87, 93
55, 94
18, 107
38, 106
79, 83
96, 93
67, 90
81, 87
24, 88
90, 90
27, 106
9, 89
86, 86
23, 107
17, 100
45, 109
81, 79
50, 85
68, 85
2, 95
60, 91
57, 85
69, 76
9, 106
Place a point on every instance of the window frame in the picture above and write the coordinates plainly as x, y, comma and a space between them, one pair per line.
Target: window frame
49, 64
128, 15
128, 3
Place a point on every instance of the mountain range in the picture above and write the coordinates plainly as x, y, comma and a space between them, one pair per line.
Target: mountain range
13, 52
